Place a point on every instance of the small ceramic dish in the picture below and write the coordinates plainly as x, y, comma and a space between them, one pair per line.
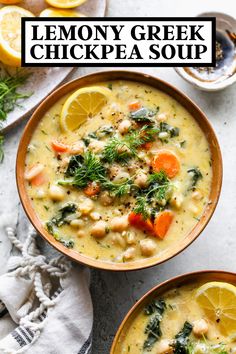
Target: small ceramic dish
159, 290
93, 79
224, 74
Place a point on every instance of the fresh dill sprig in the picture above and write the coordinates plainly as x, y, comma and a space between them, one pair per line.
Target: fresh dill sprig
9, 95
118, 150
122, 149
85, 169
157, 192
141, 207
117, 189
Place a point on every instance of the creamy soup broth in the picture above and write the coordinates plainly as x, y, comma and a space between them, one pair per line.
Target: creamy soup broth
185, 197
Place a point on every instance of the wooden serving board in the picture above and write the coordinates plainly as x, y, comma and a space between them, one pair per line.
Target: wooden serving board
44, 80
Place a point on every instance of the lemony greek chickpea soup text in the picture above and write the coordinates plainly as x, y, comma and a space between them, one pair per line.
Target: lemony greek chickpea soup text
125, 178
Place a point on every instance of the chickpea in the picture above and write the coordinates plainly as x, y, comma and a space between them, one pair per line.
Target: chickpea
197, 195
95, 216
124, 126
147, 247
130, 238
96, 146
162, 117
119, 224
200, 327
56, 193
121, 177
194, 209
81, 233
99, 229
86, 206
65, 161
34, 171
40, 194
141, 179
129, 253
119, 240
105, 198
114, 171
77, 223
164, 347
177, 200
77, 148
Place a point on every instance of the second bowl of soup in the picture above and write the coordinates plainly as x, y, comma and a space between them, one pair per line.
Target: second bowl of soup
119, 170
191, 314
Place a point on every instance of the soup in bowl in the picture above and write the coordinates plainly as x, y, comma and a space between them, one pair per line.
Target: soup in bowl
190, 314
119, 170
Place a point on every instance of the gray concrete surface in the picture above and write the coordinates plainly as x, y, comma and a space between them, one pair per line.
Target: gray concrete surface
114, 294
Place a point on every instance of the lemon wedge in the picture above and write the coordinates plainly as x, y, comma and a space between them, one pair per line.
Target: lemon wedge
10, 34
83, 104
51, 12
65, 4
218, 301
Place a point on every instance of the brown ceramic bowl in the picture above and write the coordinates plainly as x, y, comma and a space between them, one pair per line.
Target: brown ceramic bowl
156, 83
201, 276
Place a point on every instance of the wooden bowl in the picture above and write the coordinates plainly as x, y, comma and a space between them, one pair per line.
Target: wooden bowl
201, 276
156, 83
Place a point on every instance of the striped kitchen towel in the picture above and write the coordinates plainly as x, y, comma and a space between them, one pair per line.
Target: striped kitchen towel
45, 305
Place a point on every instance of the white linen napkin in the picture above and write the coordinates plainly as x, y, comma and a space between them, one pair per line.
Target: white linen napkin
45, 306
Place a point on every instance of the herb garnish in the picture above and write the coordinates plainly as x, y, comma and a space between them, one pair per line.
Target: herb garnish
157, 192
122, 149
153, 329
9, 98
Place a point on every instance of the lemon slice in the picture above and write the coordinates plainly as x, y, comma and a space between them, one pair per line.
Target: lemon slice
83, 104
218, 300
8, 2
51, 12
10, 34
65, 4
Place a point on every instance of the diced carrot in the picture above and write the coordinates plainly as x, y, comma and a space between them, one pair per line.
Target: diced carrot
162, 223
92, 189
134, 106
166, 161
146, 146
38, 180
140, 223
58, 146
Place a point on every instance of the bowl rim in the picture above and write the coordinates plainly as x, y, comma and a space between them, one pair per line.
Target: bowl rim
178, 280
143, 78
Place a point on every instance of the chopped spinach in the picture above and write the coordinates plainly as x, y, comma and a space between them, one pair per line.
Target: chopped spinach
181, 342
75, 162
144, 115
60, 219
196, 175
153, 329
172, 131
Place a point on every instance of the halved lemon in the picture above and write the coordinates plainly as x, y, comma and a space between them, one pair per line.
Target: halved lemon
83, 104
65, 4
8, 2
51, 12
10, 34
218, 300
